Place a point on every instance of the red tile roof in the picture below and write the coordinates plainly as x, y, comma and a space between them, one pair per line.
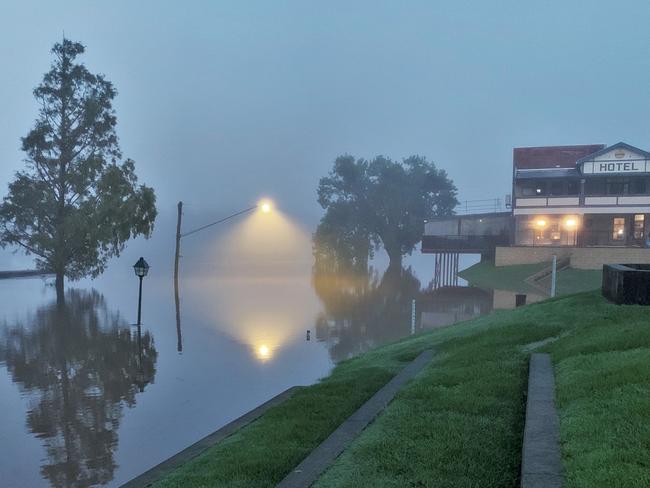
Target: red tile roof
551, 156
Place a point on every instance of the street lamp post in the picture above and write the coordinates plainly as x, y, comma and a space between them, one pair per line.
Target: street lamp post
141, 269
265, 206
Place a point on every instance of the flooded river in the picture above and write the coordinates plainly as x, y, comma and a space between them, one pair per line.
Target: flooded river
88, 399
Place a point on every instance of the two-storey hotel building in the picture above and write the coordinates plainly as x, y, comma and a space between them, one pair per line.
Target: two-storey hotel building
587, 195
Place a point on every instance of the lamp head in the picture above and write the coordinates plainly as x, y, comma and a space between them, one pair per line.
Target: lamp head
141, 268
265, 206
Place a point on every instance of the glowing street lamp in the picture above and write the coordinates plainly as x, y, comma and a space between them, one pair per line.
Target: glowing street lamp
265, 206
141, 269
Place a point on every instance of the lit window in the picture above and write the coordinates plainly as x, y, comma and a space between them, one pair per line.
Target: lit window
639, 221
618, 230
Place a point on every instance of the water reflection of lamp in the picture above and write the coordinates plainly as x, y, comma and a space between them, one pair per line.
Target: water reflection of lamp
140, 379
141, 269
264, 352
263, 205
76, 396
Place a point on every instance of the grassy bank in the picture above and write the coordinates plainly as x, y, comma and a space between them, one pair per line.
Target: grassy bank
512, 278
459, 423
572, 280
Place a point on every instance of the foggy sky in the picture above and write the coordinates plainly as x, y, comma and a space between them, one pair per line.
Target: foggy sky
222, 102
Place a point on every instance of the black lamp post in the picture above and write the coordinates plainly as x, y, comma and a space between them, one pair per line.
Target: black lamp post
141, 269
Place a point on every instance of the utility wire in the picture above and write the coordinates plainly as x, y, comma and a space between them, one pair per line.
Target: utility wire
185, 234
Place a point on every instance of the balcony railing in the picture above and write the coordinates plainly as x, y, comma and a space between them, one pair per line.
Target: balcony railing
587, 201
582, 237
468, 207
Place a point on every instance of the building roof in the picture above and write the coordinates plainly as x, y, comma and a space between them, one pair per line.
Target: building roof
552, 156
618, 145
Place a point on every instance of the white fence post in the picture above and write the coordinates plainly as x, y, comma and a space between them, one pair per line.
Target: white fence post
413, 317
553, 275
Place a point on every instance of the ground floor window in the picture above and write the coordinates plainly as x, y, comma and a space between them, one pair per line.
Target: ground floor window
547, 230
618, 229
639, 228
582, 230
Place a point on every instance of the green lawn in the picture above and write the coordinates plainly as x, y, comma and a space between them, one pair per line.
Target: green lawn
486, 275
459, 423
570, 280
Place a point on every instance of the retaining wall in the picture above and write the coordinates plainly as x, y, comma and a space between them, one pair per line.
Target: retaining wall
579, 257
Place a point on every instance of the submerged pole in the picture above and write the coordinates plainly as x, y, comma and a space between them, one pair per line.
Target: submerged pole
179, 345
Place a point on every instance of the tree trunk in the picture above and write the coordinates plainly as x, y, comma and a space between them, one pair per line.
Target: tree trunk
60, 290
395, 257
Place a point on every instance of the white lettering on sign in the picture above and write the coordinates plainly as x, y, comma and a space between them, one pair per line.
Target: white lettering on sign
599, 167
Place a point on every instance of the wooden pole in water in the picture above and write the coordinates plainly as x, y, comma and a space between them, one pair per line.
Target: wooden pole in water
178, 242
179, 345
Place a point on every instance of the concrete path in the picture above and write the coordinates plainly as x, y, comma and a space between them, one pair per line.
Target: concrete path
163, 469
308, 471
541, 464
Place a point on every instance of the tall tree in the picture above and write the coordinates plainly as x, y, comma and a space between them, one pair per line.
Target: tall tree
75, 204
384, 202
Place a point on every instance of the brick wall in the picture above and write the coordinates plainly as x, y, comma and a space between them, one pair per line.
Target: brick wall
580, 257
505, 300
508, 256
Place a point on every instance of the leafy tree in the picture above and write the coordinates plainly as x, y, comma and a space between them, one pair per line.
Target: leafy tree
75, 204
381, 202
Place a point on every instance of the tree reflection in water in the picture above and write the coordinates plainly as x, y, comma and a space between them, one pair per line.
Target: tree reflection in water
78, 364
362, 310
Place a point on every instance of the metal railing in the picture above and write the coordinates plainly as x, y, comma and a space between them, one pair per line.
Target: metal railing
481, 206
584, 237
583, 201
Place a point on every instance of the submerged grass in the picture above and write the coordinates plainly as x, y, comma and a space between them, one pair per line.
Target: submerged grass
459, 423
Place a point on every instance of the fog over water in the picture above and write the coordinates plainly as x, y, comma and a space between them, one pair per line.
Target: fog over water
220, 103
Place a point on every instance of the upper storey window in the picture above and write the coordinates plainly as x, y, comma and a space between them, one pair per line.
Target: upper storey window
551, 187
616, 186
533, 189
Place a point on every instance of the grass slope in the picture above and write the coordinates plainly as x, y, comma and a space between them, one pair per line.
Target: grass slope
485, 275
459, 423
570, 280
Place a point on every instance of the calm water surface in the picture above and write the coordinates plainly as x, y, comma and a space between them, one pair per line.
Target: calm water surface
90, 400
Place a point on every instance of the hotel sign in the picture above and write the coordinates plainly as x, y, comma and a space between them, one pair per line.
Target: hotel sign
615, 167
